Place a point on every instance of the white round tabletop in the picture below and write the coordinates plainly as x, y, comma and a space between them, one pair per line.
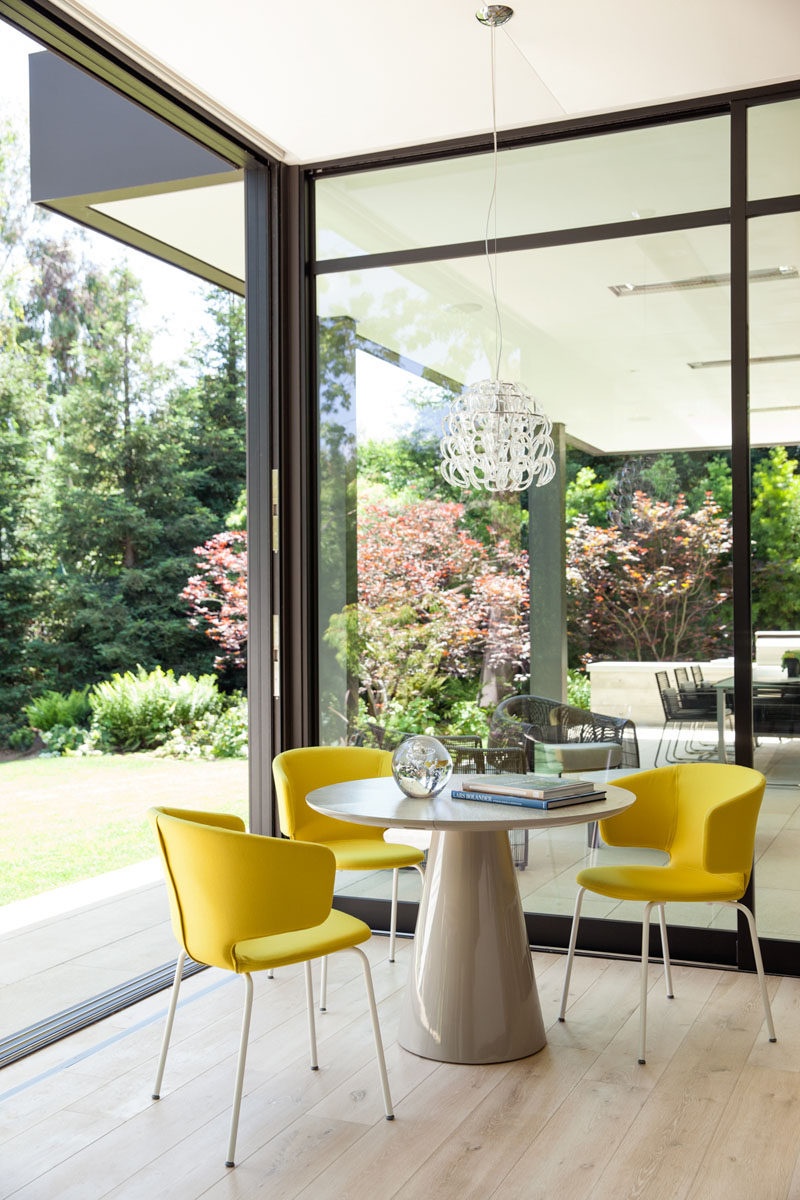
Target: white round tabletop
381, 802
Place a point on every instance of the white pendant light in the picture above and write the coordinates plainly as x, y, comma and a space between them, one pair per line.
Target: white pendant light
495, 434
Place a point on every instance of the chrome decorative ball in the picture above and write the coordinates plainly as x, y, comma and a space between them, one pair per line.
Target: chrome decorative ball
421, 766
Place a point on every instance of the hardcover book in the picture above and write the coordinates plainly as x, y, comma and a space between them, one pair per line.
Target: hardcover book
535, 787
527, 801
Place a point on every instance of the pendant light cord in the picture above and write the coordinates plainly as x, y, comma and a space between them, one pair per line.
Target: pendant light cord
492, 211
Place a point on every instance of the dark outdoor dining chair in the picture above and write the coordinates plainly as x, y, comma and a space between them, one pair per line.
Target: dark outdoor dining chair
682, 711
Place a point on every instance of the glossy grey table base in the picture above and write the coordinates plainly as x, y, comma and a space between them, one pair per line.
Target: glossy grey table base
471, 995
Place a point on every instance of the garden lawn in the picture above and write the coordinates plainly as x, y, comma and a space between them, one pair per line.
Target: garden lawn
66, 819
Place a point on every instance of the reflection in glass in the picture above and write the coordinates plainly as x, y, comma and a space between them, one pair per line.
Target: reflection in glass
636, 173
775, 530
440, 628
773, 165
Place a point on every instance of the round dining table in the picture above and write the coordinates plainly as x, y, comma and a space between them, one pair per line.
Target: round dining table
471, 993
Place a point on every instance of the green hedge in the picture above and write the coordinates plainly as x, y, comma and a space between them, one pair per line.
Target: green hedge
184, 717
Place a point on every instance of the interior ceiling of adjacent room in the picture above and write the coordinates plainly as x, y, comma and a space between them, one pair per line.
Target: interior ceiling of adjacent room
325, 81
617, 373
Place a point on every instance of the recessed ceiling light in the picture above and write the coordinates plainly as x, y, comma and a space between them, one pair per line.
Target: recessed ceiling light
700, 281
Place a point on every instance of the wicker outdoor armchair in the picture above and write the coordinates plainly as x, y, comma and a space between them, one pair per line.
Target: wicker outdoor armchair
557, 737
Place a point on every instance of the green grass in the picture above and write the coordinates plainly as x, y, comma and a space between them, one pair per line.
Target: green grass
66, 819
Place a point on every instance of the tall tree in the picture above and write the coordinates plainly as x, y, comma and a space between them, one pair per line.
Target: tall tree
123, 515
213, 408
23, 423
23, 417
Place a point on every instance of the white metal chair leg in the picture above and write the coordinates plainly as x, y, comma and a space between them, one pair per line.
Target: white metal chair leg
662, 920
376, 1030
270, 974
643, 996
759, 967
173, 1004
393, 921
237, 1091
573, 937
312, 1032
323, 984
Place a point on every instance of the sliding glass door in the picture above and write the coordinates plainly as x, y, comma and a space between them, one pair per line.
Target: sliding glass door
774, 245
616, 306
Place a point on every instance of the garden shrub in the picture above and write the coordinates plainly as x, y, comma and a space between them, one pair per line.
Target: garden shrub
139, 711
72, 740
22, 739
579, 689
213, 735
54, 708
438, 714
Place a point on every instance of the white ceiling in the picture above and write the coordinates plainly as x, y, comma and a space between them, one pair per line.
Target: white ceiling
324, 80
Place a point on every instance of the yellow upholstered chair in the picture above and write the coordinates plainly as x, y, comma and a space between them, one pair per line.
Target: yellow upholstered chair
704, 816
246, 903
356, 847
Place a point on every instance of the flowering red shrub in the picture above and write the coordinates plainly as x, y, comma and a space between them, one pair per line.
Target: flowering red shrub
433, 601
217, 594
654, 589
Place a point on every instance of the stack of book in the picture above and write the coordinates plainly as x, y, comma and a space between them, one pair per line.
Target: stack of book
527, 791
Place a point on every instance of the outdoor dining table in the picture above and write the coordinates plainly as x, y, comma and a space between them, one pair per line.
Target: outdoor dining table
765, 682
471, 993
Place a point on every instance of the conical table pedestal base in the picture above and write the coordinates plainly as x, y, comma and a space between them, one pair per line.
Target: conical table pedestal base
471, 996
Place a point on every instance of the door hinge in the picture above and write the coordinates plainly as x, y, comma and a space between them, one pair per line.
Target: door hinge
276, 656
275, 522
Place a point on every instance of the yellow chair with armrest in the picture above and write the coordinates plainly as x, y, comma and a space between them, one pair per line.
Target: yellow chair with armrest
704, 816
356, 847
246, 903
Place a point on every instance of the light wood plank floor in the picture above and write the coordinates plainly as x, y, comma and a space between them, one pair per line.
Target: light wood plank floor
715, 1113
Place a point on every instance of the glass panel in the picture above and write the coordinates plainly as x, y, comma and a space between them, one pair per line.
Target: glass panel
775, 424
648, 539
122, 448
772, 160
681, 167
616, 346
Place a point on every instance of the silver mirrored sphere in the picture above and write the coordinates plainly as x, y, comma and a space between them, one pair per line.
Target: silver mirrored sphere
421, 766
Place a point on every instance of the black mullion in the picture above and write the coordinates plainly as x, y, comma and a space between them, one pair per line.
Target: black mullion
773, 206
740, 441
259, 316
740, 478
312, 422
526, 241
294, 476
